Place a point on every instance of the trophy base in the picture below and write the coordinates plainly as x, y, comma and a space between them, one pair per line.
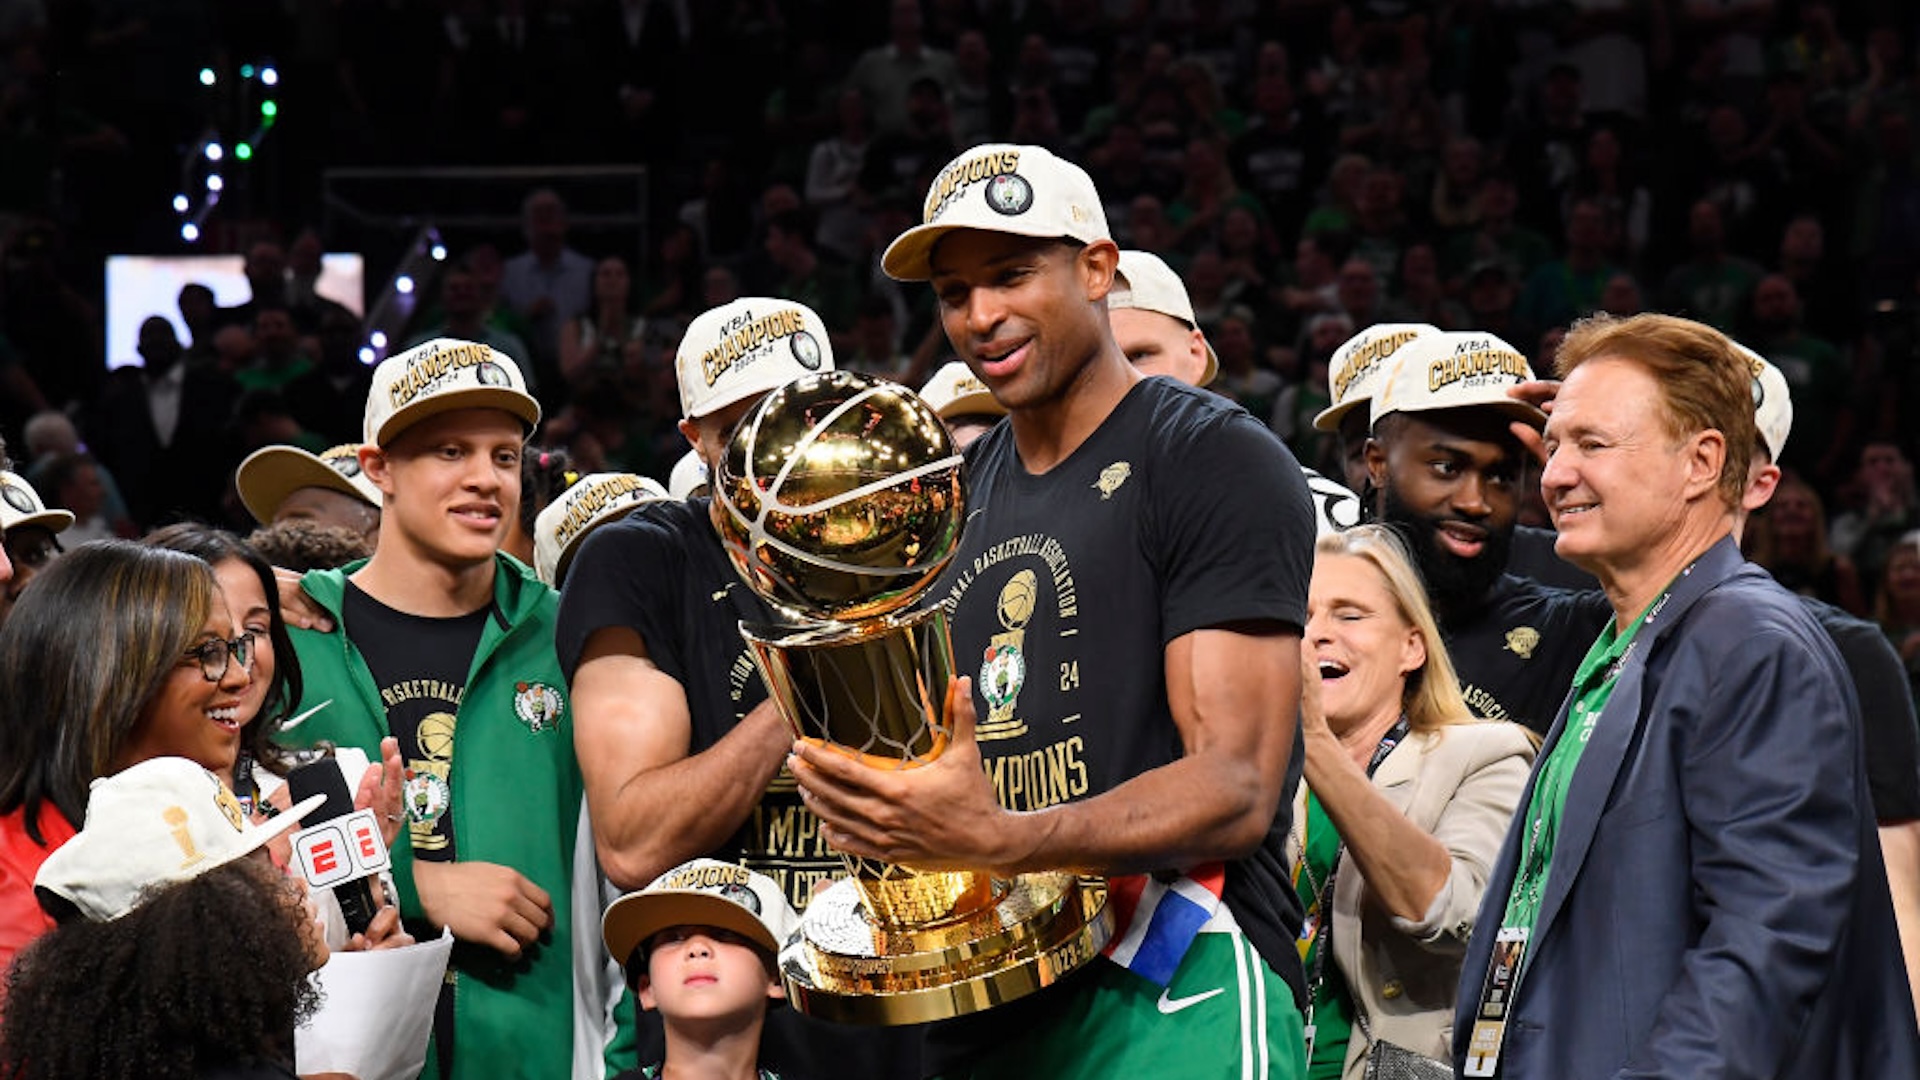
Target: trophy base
845, 968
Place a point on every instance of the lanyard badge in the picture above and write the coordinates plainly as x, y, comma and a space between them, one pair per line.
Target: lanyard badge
1496, 997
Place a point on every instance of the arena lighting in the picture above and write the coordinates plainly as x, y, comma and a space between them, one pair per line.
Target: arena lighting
189, 232
269, 76
403, 285
246, 71
244, 151
239, 114
206, 77
180, 204
439, 253
269, 110
214, 152
367, 355
378, 339
215, 183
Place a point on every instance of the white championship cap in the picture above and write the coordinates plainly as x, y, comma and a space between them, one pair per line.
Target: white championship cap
272, 473
161, 821
20, 506
747, 347
1358, 366
688, 477
1455, 370
1772, 402
1146, 282
704, 892
1000, 187
593, 501
955, 391
439, 376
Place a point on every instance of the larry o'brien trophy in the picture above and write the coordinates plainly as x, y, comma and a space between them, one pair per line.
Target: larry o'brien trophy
840, 499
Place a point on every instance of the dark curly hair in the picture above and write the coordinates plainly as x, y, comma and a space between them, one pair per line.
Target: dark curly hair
204, 973
297, 544
214, 546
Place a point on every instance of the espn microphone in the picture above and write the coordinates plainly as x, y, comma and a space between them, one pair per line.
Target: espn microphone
336, 846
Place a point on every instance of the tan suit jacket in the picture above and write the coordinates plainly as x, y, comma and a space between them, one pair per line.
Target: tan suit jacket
1462, 785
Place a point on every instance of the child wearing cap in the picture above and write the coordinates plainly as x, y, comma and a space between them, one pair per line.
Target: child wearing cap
182, 950
446, 644
701, 946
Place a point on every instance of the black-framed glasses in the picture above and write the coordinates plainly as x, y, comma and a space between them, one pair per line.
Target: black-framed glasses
213, 656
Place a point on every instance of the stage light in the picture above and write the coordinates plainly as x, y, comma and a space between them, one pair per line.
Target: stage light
367, 355
189, 232
214, 151
403, 285
378, 338
206, 77
180, 204
439, 253
246, 71
269, 76
269, 110
215, 184
243, 151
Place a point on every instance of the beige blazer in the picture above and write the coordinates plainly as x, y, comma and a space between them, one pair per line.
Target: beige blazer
1462, 785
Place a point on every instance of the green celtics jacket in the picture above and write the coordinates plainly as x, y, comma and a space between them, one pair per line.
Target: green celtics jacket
516, 801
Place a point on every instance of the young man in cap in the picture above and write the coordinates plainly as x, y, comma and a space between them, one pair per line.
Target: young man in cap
29, 530
285, 483
1153, 321
681, 751
1446, 471
448, 646
700, 946
1130, 590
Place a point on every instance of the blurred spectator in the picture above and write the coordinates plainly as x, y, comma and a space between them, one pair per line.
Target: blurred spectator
979, 101
202, 318
805, 277
463, 317
1732, 177
1206, 192
331, 400
1380, 230
1713, 286
1362, 298
1281, 155
1896, 603
1622, 296
833, 178
1419, 292
1825, 287
73, 484
591, 342
1607, 41
52, 435
278, 356
266, 272
1455, 201
1823, 420
546, 285
885, 72
305, 263
1242, 378
873, 346
1606, 178
161, 429
1563, 289
674, 281
1882, 506
904, 160
1339, 203
1546, 152
1496, 234
1491, 295
1790, 539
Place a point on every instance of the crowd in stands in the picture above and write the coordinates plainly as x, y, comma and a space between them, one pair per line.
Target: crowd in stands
1309, 168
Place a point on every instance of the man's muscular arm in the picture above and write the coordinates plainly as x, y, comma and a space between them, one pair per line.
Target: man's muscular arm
654, 806
1235, 695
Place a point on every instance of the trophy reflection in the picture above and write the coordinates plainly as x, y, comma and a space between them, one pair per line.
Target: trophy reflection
840, 499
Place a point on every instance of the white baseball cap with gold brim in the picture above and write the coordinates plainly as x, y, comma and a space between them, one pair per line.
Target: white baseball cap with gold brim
1359, 365
440, 376
20, 506
703, 892
1146, 282
1455, 370
593, 501
1000, 187
954, 391
745, 347
272, 473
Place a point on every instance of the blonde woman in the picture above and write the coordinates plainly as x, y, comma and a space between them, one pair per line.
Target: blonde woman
1405, 804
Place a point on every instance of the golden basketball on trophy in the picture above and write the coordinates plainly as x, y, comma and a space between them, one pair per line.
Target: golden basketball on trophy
840, 499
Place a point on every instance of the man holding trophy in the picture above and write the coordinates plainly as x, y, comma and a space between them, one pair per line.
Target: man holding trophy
1126, 602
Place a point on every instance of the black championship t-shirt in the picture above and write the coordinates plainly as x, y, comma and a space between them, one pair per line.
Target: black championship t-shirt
662, 572
1516, 657
1888, 728
420, 666
1180, 512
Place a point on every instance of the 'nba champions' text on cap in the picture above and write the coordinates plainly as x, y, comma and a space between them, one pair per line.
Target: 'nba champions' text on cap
747, 347
1000, 187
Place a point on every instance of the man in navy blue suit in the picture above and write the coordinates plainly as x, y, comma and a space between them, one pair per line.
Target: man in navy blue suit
1693, 887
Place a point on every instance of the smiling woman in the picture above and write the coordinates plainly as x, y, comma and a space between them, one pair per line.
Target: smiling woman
1405, 803
97, 660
